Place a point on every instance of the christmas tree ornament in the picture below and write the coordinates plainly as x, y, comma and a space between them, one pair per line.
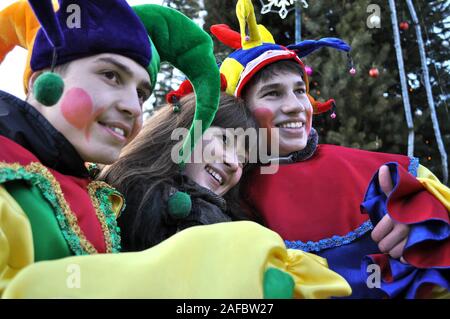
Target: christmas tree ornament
373, 72
404, 26
308, 70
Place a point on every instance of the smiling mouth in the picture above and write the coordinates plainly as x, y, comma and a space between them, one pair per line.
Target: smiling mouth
291, 125
214, 174
117, 131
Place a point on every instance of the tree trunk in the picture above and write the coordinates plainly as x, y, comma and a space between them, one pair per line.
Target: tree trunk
426, 80
401, 71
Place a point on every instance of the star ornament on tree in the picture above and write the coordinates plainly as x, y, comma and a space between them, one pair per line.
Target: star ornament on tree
282, 5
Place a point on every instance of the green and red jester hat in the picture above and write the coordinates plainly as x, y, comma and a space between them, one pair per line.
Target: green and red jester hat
148, 34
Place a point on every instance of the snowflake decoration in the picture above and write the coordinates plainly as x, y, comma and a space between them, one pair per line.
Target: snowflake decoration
282, 5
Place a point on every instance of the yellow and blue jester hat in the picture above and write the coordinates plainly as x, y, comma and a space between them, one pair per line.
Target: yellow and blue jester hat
256, 48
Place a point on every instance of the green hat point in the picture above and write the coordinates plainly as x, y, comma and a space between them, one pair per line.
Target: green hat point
278, 284
48, 88
179, 205
179, 40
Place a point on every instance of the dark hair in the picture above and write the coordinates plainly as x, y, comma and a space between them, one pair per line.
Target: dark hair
145, 173
270, 70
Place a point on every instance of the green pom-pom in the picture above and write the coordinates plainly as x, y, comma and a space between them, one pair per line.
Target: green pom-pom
48, 88
179, 205
278, 284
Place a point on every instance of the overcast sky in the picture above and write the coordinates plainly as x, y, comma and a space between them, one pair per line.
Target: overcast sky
12, 68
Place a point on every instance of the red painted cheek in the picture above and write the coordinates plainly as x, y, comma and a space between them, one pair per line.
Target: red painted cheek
77, 108
91, 121
264, 116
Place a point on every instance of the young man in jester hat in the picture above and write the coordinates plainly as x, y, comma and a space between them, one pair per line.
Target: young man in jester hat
354, 208
91, 66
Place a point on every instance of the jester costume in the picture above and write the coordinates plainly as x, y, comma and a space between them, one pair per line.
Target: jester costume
314, 204
326, 199
50, 208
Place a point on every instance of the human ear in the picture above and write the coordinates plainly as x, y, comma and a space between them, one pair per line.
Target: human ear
32, 80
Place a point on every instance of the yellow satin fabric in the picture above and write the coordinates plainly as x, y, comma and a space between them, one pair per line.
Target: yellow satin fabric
226, 260
16, 239
434, 186
442, 193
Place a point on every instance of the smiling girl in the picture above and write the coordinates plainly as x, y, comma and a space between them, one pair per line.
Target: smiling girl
147, 177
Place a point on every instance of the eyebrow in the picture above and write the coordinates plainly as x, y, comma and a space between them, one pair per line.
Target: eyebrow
145, 84
275, 86
268, 87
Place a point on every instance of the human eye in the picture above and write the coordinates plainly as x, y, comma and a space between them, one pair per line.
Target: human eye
300, 91
111, 76
142, 95
273, 93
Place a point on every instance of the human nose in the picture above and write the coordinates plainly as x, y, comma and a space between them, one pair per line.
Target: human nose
292, 104
231, 160
130, 104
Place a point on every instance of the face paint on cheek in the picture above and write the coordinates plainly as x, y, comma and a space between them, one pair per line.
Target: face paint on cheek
76, 108
264, 116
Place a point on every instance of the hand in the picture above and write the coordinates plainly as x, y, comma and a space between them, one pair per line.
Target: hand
390, 236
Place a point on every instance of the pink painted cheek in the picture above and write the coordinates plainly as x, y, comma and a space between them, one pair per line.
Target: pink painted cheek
264, 116
91, 121
77, 108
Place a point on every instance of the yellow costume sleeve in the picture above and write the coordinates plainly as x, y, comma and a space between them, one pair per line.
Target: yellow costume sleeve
434, 186
226, 260
16, 239
442, 193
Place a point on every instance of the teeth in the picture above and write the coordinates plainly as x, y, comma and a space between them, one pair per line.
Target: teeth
214, 174
291, 125
117, 130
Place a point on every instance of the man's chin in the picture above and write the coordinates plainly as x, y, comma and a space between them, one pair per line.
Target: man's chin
285, 150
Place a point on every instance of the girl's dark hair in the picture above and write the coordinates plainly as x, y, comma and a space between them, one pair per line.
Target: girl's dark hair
145, 172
